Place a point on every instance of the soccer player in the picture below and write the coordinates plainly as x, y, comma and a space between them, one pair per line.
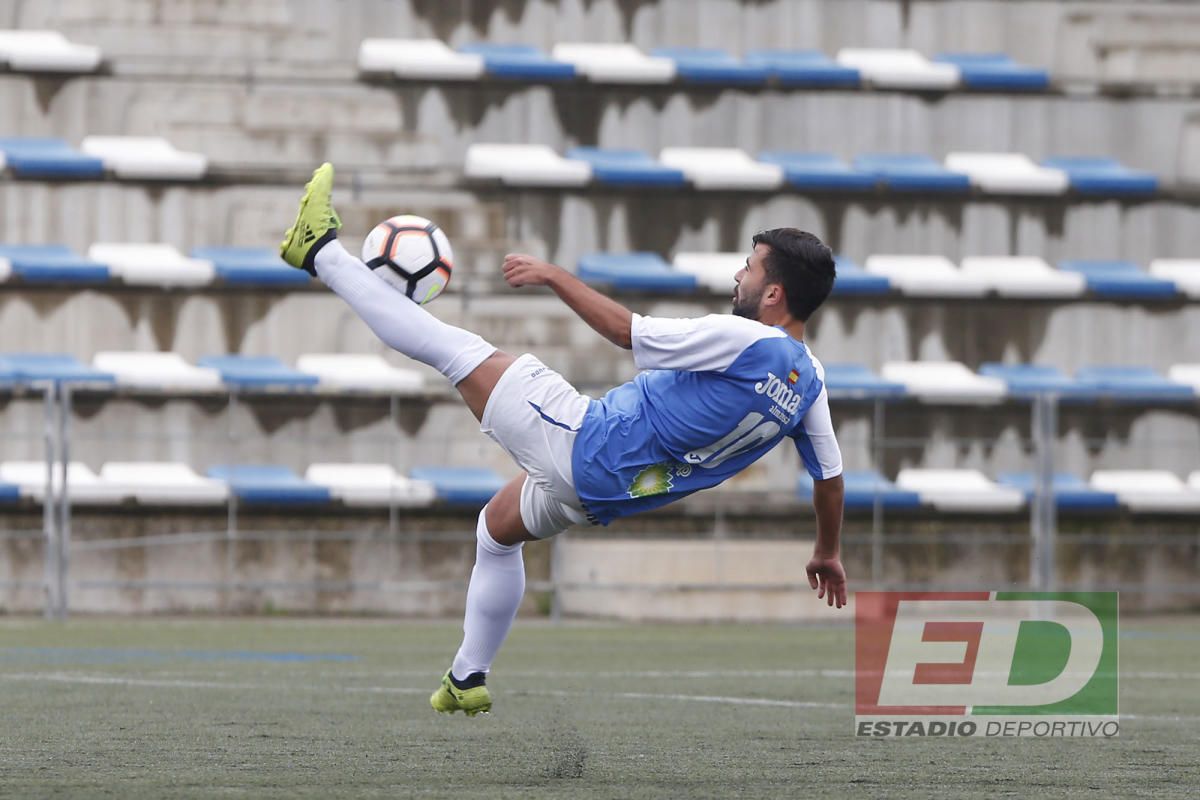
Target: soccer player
717, 393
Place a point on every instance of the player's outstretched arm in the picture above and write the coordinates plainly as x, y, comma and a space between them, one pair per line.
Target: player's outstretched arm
825, 572
611, 320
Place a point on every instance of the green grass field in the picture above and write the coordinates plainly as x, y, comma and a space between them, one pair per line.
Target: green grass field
339, 708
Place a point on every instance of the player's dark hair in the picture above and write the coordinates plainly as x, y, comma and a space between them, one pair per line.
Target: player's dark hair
802, 265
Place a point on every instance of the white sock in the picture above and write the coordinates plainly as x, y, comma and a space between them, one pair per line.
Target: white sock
497, 586
400, 323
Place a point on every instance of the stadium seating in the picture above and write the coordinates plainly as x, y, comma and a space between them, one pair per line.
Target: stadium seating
46, 51
1007, 173
1028, 380
83, 485
944, 382
464, 486
525, 165
344, 372
1187, 374
371, 485
719, 168
166, 372
519, 62
614, 63
1071, 492
865, 488
145, 158
626, 167
854, 280
161, 483
1132, 383
911, 173
1103, 176
31, 157
50, 263
712, 271
960, 491
1183, 272
857, 380
997, 71
428, 59
1121, 280
1024, 276
804, 68
258, 372
926, 276
55, 367
259, 484
899, 69
712, 65
634, 271
819, 172
1151, 491
247, 266
152, 265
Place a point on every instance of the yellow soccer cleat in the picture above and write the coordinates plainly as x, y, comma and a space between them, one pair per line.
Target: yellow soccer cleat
475, 699
316, 222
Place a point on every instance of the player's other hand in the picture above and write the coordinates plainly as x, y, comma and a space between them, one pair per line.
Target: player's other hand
525, 270
828, 577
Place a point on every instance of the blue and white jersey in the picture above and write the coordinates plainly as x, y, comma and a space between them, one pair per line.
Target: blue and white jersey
717, 394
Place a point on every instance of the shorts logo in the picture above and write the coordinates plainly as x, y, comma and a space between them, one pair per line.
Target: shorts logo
986, 664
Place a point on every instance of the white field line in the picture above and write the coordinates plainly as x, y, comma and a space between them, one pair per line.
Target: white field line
701, 674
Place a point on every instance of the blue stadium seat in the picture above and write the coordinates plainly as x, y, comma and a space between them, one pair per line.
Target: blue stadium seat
858, 380
268, 484
996, 71
854, 280
912, 173
257, 266
627, 167
9, 492
1071, 492
1027, 380
520, 62
1121, 280
862, 489
25, 367
1103, 176
712, 65
254, 372
1136, 384
52, 263
467, 486
638, 271
820, 171
32, 157
804, 68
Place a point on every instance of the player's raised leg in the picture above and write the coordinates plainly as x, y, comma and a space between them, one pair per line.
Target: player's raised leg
311, 244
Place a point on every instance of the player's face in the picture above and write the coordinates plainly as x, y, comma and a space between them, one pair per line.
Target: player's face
749, 284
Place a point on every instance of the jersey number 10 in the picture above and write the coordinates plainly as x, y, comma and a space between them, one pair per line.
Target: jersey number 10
750, 432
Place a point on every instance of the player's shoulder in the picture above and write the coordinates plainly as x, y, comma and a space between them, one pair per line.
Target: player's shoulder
739, 328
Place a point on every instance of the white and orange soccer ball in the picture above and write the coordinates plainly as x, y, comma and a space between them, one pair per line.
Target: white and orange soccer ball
412, 254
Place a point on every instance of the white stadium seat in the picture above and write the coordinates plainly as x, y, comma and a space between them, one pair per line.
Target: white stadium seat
152, 264
418, 58
160, 371
714, 271
145, 157
899, 69
1008, 173
163, 483
1150, 490
525, 165
1187, 374
1023, 276
1194, 481
960, 490
371, 485
944, 382
340, 372
722, 168
615, 63
1185, 272
83, 485
926, 276
46, 51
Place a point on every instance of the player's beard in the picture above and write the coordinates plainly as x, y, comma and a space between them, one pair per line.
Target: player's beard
746, 305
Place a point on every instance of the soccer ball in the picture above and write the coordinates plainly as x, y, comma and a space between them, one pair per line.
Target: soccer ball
412, 254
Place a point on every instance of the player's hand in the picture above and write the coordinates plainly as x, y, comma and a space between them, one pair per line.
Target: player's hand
525, 270
828, 577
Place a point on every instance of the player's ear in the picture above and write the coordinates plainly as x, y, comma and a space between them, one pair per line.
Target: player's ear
774, 296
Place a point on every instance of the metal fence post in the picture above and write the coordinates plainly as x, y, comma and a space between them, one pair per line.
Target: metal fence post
64, 499
877, 500
50, 563
1043, 509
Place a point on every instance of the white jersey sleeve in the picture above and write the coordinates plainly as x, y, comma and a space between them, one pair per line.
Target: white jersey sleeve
816, 442
700, 344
